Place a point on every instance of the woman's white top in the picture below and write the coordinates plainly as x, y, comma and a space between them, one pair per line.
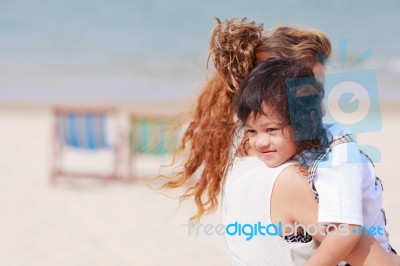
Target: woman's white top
246, 200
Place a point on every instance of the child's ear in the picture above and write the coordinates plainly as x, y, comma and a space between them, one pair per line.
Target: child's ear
244, 147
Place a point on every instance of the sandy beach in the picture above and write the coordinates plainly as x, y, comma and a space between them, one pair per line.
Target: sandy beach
88, 222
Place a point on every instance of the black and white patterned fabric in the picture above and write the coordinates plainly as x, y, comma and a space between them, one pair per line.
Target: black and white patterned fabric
298, 238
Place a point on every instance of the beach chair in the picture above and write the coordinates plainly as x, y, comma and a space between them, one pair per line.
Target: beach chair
85, 130
152, 141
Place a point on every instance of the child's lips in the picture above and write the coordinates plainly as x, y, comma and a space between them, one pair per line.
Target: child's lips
267, 153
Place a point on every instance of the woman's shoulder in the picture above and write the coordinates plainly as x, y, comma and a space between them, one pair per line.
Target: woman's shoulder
293, 182
241, 165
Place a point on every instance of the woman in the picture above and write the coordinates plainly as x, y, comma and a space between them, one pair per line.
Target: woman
213, 139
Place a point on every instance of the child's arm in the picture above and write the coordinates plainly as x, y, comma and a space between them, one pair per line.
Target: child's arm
367, 250
335, 247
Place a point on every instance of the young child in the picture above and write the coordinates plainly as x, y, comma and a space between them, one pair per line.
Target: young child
280, 107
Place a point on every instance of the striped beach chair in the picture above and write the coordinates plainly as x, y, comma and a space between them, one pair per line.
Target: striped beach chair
83, 129
151, 136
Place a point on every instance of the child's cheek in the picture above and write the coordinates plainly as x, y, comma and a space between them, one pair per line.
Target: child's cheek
252, 143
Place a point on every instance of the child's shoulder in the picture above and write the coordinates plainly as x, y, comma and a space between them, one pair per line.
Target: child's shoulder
344, 147
340, 137
335, 131
293, 173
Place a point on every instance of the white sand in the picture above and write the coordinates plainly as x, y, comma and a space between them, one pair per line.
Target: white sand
86, 222
83, 222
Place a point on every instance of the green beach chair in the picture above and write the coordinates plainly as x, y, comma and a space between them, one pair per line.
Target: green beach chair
151, 136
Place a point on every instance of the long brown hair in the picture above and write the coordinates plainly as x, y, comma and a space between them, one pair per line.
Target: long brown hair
236, 47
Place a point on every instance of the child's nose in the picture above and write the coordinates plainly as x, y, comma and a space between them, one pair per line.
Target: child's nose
263, 141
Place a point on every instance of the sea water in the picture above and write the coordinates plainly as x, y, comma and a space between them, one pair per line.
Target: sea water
129, 50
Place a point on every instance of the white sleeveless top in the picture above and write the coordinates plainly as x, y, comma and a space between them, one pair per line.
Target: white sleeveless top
246, 200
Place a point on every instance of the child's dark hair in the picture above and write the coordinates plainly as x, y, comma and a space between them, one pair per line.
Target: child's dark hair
291, 91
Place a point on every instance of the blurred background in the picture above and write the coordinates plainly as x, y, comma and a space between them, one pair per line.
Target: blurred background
143, 59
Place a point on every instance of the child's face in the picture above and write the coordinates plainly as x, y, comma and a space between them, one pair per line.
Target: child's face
274, 144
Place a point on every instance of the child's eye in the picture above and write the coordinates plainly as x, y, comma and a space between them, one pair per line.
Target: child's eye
250, 131
271, 130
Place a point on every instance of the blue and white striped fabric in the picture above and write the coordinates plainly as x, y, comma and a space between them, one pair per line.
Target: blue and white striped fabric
86, 131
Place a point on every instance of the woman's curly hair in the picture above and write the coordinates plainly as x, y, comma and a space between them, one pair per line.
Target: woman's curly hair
236, 47
233, 48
